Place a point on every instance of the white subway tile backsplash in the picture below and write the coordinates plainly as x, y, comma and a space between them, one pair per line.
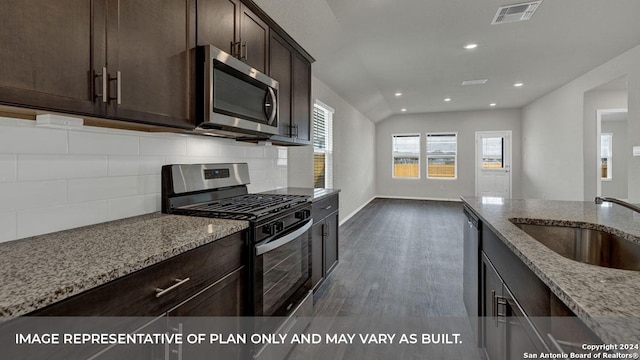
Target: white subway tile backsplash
122, 165
49, 219
8, 167
163, 145
32, 140
53, 179
18, 196
233, 152
149, 184
81, 190
7, 226
203, 146
50, 167
256, 152
90, 143
8, 121
123, 207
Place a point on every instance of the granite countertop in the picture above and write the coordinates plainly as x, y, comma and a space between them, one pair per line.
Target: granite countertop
606, 299
44, 269
314, 194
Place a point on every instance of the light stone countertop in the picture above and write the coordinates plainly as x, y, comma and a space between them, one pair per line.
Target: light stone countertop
42, 270
605, 299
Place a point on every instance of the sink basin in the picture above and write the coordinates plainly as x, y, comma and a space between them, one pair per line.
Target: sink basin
587, 245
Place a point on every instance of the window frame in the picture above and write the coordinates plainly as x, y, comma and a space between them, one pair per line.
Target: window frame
393, 176
609, 158
455, 157
328, 150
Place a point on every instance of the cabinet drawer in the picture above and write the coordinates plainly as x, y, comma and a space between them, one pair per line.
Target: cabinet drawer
136, 293
321, 209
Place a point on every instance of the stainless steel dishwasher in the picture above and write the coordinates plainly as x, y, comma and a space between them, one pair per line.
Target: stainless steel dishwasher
471, 272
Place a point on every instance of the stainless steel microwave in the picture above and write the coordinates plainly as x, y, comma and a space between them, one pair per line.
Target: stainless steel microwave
232, 97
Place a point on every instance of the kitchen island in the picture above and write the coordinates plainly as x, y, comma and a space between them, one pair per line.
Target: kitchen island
606, 299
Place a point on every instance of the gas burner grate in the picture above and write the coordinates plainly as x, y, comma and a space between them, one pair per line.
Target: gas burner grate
246, 207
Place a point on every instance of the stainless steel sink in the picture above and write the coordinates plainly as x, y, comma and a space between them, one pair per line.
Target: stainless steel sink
587, 245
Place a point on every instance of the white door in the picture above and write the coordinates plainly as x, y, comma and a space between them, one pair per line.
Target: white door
493, 163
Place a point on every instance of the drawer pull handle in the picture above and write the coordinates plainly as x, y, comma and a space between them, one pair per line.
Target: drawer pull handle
327, 207
160, 292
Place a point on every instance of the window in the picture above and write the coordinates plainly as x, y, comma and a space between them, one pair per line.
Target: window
406, 156
442, 152
492, 152
606, 155
322, 145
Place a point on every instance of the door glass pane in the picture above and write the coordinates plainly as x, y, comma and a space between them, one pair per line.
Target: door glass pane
493, 153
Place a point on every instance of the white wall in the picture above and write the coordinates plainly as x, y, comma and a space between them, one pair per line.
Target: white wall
553, 131
593, 101
353, 153
53, 179
465, 123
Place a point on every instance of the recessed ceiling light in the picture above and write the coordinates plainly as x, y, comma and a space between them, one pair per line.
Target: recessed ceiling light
518, 84
471, 46
398, 94
403, 110
447, 99
492, 104
475, 82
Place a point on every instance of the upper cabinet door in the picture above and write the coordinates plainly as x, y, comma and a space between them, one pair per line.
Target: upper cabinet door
280, 70
149, 45
301, 98
45, 56
219, 24
254, 40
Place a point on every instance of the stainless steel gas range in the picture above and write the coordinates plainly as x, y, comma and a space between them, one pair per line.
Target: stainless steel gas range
278, 241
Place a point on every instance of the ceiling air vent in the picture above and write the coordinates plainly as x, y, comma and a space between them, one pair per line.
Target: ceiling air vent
517, 12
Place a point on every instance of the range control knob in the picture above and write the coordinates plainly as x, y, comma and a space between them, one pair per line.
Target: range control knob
303, 214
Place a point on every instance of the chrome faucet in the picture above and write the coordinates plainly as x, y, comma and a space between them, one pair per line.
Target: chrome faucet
600, 200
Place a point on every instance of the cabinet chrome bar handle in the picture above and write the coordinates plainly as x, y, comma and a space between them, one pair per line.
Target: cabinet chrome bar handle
160, 292
500, 300
246, 51
493, 303
328, 207
118, 80
104, 76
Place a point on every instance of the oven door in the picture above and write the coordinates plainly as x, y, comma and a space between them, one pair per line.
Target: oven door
282, 271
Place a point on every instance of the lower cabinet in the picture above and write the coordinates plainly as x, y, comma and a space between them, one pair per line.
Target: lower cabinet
324, 239
507, 332
168, 297
518, 311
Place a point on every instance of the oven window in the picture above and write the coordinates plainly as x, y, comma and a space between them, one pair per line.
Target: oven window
285, 269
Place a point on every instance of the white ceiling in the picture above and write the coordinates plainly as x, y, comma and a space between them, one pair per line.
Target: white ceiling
366, 50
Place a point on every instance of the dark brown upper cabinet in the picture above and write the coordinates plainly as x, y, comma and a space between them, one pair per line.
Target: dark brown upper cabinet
149, 46
232, 27
126, 60
49, 55
293, 73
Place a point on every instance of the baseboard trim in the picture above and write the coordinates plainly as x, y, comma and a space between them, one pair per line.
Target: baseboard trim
417, 198
346, 218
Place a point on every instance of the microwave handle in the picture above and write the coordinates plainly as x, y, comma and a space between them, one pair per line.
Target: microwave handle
272, 245
271, 109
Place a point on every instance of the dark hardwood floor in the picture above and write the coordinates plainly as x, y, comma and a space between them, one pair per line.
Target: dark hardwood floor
399, 272
398, 258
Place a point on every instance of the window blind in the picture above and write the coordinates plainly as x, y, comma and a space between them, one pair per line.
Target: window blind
322, 146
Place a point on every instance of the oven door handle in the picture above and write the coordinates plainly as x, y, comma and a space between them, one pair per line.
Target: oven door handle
271, 245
